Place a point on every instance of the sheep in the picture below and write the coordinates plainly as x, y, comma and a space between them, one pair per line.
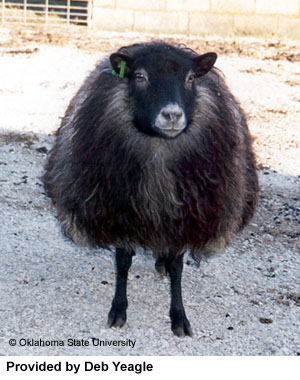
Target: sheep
153, 153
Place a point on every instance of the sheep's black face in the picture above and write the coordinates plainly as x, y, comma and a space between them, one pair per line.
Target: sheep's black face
162, 84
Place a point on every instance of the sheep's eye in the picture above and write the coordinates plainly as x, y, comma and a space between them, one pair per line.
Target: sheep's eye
139, 77
191, 78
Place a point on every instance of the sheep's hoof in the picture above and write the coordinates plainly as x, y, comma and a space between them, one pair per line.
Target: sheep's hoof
181, 327
116, 317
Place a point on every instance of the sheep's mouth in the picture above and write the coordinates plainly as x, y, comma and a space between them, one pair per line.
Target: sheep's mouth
170, 132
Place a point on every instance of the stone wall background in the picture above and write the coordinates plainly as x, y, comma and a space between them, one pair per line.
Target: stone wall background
200, 17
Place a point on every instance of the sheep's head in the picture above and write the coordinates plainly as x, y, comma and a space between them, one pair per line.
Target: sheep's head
161, 81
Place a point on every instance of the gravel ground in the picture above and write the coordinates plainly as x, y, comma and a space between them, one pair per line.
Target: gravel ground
244, 301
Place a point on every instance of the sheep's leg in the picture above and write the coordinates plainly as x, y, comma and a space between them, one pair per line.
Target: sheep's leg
117, 314
160, 266
180, 323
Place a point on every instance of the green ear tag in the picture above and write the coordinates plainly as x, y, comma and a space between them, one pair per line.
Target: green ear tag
122, 69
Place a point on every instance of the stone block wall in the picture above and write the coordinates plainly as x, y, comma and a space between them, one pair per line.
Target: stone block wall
200, 17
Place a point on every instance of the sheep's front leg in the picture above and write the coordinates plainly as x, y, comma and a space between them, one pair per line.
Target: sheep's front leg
117, 314
180, 324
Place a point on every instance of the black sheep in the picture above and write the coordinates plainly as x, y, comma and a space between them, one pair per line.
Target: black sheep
153, 152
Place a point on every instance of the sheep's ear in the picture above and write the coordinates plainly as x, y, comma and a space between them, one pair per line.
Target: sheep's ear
121, 64
204, 63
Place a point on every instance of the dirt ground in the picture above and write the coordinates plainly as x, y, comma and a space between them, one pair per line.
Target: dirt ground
243, 302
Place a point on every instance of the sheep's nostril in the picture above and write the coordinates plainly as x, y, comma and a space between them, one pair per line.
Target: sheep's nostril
172, 116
